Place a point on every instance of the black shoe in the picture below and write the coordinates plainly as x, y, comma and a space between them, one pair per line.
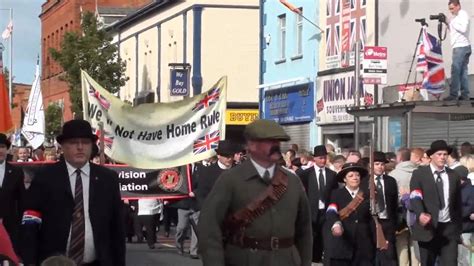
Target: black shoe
194, 257
464, 98
450, 98
152, 246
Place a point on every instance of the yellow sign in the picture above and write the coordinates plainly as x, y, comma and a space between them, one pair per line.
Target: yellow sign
240, 116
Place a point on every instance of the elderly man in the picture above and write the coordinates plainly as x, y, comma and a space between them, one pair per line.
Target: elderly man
257, 213
73, 207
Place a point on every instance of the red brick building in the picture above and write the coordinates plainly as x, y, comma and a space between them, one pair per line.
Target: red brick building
20, 99
58, 17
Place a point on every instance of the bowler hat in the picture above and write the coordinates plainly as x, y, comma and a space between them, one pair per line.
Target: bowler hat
4, 140
438, 145
348, 167
320, 150
265, 129
227, 148
380, 157
76, 129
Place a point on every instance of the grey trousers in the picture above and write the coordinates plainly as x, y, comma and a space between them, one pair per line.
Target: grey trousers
185, 218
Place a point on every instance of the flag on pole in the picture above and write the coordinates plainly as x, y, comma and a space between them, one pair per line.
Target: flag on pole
6, 123
430, 61
33, 124
291, 6
8, 31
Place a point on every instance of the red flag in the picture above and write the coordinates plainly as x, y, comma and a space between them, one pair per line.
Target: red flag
6, 123
6, 247
290, 6
320, 105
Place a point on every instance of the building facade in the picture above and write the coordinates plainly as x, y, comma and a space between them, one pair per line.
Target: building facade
57, 18
289, 55
203, 40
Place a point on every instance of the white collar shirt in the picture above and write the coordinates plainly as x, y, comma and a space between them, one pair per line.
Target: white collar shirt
321, 204
2, 172
443, 215
261, 170
352, 192
89, 247
384, 214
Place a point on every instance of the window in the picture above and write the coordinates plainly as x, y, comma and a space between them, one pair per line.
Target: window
282, 35
299, 33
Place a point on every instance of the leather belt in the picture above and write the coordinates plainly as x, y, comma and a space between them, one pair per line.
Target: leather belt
273, 243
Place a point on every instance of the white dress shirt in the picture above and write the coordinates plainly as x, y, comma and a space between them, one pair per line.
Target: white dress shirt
443, 215
89, 247
261, 170
222, 166
320, 203
2, 172
352, 192
384, 214
459, 30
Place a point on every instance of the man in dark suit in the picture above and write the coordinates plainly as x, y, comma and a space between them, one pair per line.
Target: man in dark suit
387, 205
11, 192
73, 207
319, 182
436, 200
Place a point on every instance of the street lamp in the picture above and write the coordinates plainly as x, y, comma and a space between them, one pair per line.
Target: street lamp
10, 68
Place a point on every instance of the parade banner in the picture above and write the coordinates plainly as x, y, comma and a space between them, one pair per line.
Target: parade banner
157, 135
169, 183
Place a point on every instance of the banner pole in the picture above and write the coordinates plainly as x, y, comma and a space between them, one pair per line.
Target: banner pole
101, 143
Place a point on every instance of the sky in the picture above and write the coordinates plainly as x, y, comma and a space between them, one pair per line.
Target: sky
26, 37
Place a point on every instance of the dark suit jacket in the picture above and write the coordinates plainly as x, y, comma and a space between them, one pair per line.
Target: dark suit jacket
50, 194
310, 182
11, 194
423, 181
206, 176
358, 227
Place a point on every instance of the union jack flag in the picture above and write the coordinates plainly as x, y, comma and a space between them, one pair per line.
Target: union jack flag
430, 55
207, 142
333, 29
108, 139
102, 101
211, 97
358, 23
368, 99
320, 105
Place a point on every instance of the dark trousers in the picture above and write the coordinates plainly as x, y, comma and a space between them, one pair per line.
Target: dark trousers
318, 238
170, 215
443, 245
149, 221
387, 257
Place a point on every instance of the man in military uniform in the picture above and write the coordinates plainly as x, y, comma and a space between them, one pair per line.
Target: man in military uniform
275, 231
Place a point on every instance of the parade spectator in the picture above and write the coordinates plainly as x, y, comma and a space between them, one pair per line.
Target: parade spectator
453, 158
353, 156
351, 241
425, 160
339, 161
319, 182
468, 162
387, 208
364, 151
294, 147
289, 156
416, 156
12, 191
73, 207
403, 155
278, 234
466, 148
306, 160
50, 155
459, 33
392, 161
330, 148
239, 156
467, 194
24, 155
38, 154
435, 200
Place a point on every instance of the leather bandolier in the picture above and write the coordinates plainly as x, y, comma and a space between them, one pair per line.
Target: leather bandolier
236, 223
352, 206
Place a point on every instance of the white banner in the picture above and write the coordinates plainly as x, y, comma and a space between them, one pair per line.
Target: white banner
33, 123
157, 135
335, 93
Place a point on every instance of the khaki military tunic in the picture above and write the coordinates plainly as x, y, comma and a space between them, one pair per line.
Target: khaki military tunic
289, 217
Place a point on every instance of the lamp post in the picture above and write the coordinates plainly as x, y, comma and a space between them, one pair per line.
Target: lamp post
10, 68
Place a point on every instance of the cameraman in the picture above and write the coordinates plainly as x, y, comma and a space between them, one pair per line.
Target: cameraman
459, 28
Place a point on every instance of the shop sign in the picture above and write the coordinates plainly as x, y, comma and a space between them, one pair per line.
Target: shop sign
179, 82
240, 116
289, 104
337, 92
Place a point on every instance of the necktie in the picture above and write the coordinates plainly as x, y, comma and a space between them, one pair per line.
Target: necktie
380, 195
76, 246
266, 177
321, 185
439, 187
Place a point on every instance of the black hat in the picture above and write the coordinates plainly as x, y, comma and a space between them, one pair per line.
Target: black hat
380, 157
348, 167
265, 129
320, 150
227, 148
438, 145
76, 129
4, 140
